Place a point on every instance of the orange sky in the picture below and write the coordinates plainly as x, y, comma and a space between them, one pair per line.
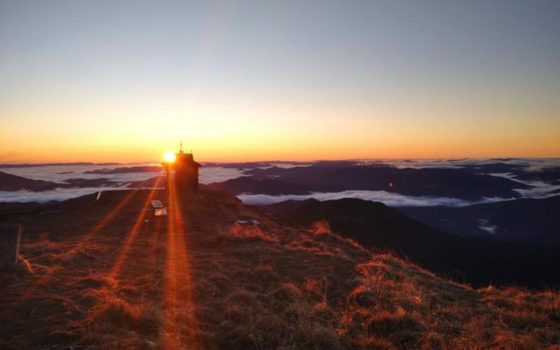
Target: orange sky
259, 142
243, 81
127, 128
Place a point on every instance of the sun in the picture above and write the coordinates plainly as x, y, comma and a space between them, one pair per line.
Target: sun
169, 156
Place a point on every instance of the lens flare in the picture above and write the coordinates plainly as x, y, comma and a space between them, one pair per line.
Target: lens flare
169, 156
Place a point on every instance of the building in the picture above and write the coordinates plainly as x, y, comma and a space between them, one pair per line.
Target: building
184, 173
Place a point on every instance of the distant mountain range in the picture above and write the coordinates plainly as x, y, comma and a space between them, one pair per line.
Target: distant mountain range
343, 176
34, 165
122, 170
532, 221
9, 182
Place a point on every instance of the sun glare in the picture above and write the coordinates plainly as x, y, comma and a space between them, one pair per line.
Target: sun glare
169, 156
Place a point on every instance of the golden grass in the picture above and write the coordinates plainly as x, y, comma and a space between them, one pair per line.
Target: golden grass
204, 282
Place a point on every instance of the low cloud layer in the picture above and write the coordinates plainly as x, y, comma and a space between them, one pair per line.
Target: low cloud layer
59, 194
390, 199
540, 190
61, 173
218, 174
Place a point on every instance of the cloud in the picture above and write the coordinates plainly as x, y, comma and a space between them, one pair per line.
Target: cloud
530, 164
218, 174
388, 198
485, 225
62, 173
539, 190
58, 194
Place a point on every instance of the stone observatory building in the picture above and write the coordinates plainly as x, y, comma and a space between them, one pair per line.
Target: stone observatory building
185, 174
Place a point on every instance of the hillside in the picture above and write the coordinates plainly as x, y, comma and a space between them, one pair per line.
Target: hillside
97, 275
474, 260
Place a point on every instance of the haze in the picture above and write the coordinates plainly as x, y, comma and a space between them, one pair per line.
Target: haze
288, 80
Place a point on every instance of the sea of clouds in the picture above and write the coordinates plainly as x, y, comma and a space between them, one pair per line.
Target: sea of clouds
211, 174
61, 173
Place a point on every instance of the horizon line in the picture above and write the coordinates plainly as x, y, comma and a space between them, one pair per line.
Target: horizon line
454, 159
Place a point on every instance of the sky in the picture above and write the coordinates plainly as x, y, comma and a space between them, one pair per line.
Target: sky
124, 81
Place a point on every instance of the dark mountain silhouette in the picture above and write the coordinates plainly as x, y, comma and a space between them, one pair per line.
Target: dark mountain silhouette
80, 182
9, 182
341, 176
477, 261
520, 172
34, 165
531, 221
246, 184
243, 165
132, 169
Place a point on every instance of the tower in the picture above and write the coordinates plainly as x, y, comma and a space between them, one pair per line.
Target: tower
186, 173
185, 176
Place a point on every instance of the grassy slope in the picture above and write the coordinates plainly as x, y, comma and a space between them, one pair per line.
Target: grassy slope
240, 287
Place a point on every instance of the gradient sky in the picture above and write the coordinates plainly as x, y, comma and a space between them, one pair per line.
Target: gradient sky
301, 80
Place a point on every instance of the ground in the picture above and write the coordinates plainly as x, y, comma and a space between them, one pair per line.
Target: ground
105, 274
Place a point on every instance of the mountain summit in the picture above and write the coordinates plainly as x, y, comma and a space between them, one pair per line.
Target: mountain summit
103, 272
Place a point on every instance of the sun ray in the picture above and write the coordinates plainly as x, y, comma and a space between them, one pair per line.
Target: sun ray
82, 242
178, 304
133, 233
155, 236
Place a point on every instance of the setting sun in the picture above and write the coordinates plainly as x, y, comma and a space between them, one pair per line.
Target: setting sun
169, 156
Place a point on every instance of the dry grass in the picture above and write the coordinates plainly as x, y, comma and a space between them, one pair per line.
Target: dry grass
411, 308
252, 287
